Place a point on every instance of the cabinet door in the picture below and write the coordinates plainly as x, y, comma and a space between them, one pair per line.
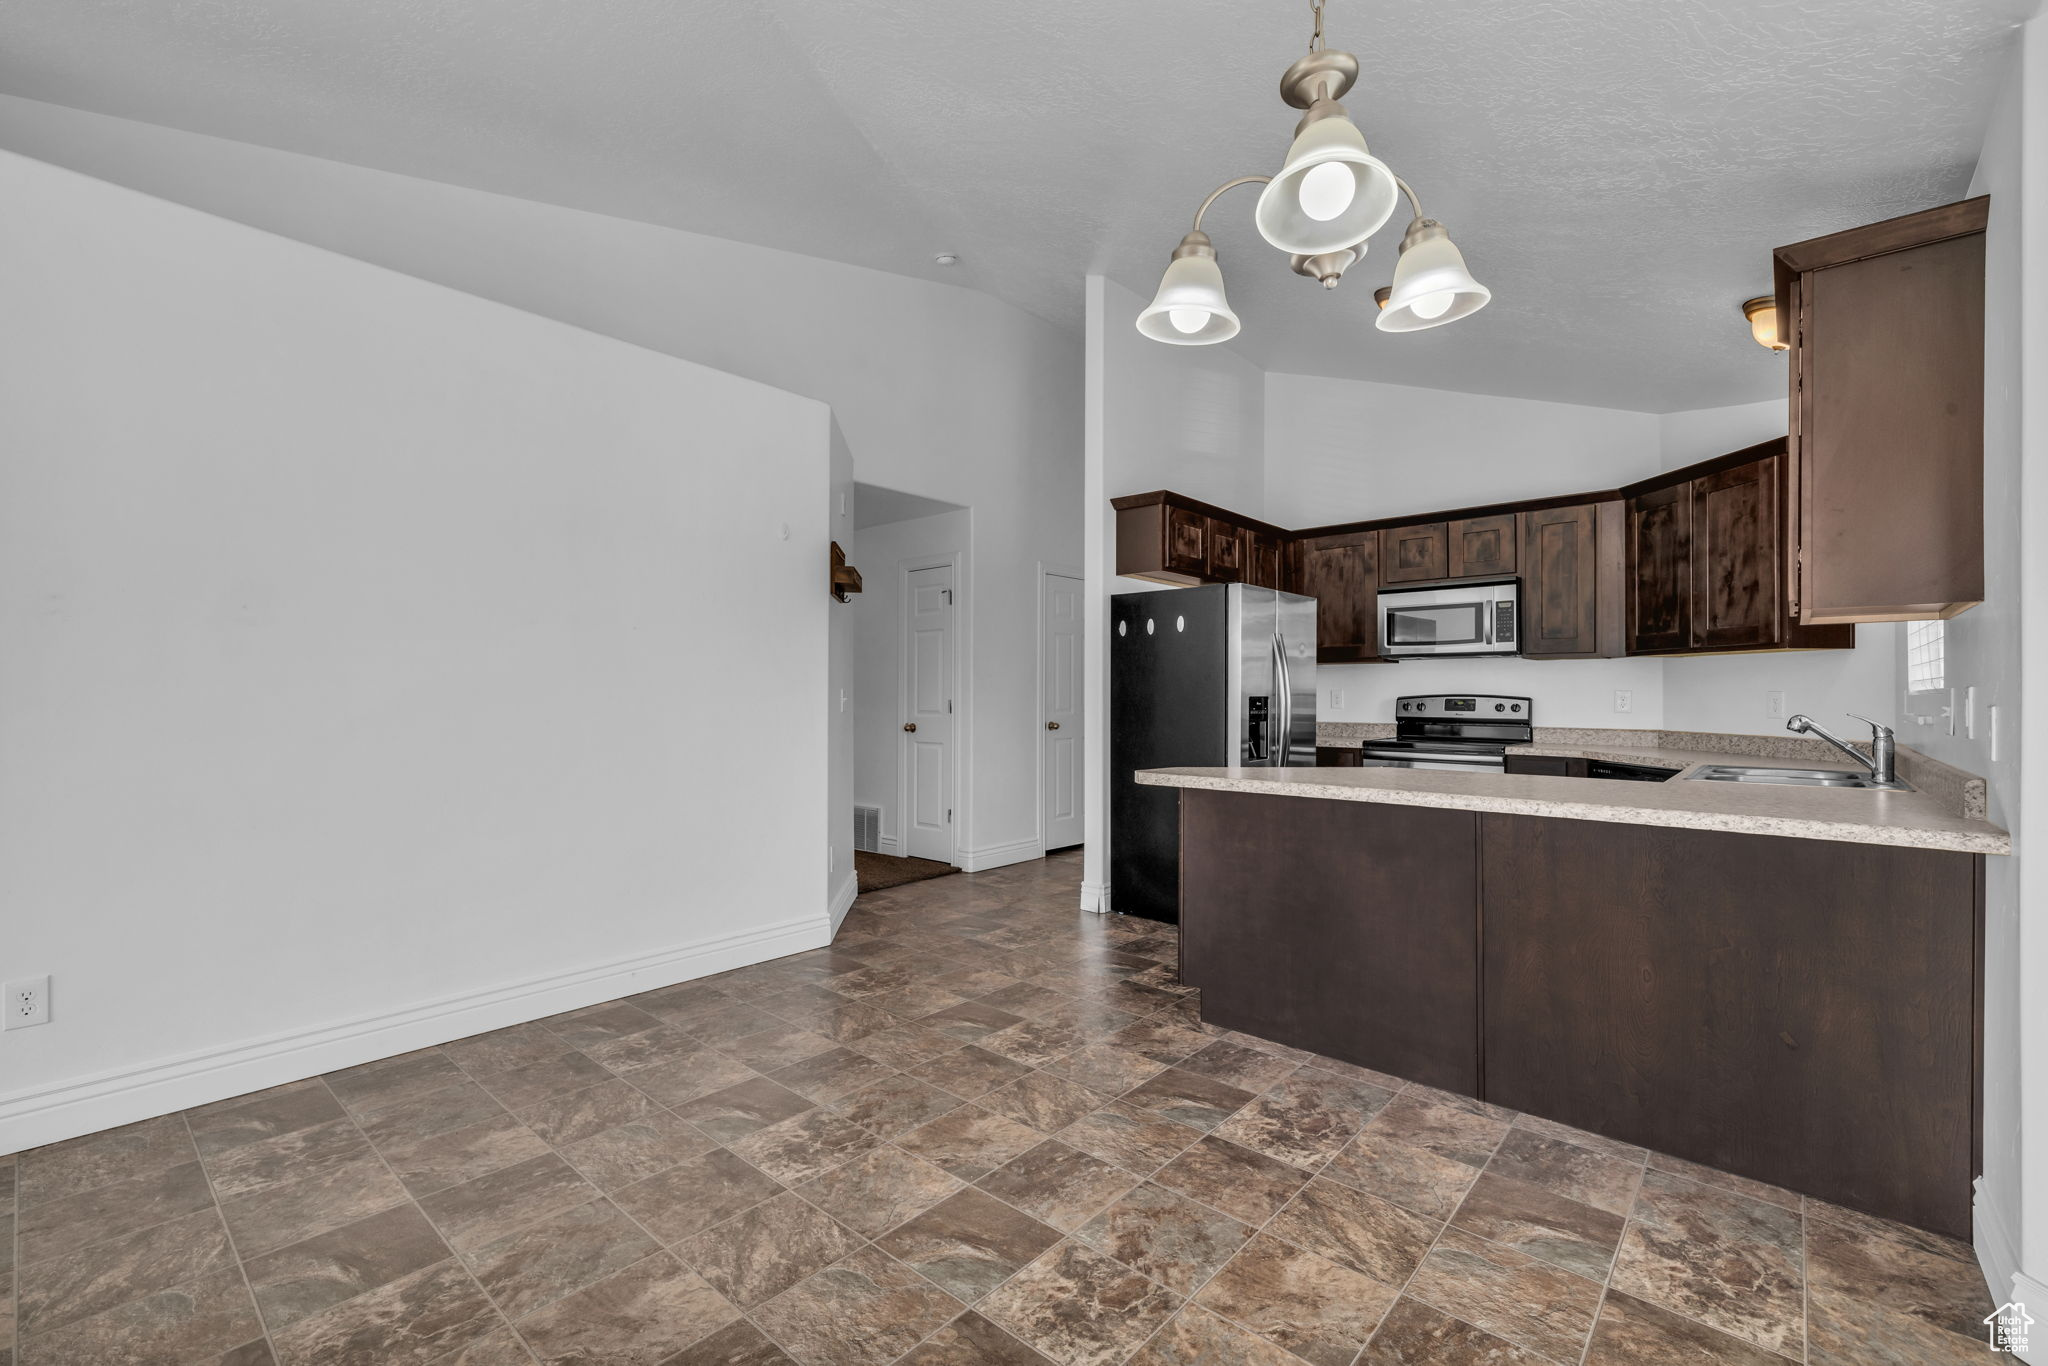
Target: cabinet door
1415, 552
1560, 557
1338, 756
1660, 570
1736, 581
1261, 559
1483, 547
1342, 574
1226, 551
1187, 542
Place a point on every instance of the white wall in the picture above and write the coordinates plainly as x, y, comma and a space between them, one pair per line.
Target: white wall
1186, 418
360, 643
882, 555
938, 390
1985, 648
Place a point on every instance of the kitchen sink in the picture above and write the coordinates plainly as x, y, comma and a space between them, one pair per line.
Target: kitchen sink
1793, 777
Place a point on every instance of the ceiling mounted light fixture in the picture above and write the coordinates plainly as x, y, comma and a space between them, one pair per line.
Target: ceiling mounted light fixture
1762, 313
1330, 195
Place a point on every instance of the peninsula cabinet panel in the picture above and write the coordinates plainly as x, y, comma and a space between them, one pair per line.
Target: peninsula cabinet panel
1364, 950
1571, 582
1660, 563
1341, 573
1736, 534
1887, 392
1796, 1011
1482, 547
1412, 554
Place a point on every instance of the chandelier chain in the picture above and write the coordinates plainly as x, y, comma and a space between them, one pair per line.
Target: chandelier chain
1315, 42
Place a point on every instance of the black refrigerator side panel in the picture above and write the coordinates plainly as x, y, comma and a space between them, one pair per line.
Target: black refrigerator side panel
1167, 688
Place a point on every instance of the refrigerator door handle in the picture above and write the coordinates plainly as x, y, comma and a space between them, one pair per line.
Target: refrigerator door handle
1284, 686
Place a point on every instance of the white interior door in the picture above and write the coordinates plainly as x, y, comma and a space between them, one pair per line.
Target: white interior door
1060, 744
928, 721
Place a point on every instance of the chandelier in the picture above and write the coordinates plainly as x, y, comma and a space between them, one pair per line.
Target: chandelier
1331, 195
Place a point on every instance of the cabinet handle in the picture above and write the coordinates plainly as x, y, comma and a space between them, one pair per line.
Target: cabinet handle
910, 725
1052, 725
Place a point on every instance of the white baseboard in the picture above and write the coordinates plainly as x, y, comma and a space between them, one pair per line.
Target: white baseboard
1095, 897
1998, 1255
49, 1114
997, 855
842, 901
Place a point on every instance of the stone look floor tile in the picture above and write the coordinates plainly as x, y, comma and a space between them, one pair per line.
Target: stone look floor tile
82, 1164
1308, 1304
305, 1278
1058, 1184
1899, 1269
600, 1023
641, 1316
808, 1146
564, 1118
1371, 1236
198, 1321
1247, 1185
558, 1255
971, 1340
969, 1243
375, 1087
1105, 1068
503, 1049
831, 1075
70, 1222
77, 1285
676, 1082
767, 1249
1632, 1331
740, 1344
1043, 1101
695, 1194
267, 1114
969, 1072
1580, 1138
1196, 1337
1304, 1120
1411, 1177
895, 1104
867, 1310
421, 1318
1080, 1307
1136, 1140
1189, 1098
1413, 1334
736, 1111
1542, 1223
875, 1193
1165, 1236
1245, 1067
1587, 1176
970, 1142
633, 1152
1724, 1259
970, 1020
1844, 1329
491, 1207
1528, 1302
1450, 1126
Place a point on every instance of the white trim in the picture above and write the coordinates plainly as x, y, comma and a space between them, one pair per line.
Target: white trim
889, 844
48, 1114
1095, 897
962, 601
1061, 571
996, 855
1998, 1255
842, 900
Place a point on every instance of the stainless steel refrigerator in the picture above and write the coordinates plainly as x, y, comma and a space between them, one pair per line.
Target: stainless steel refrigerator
1219, 676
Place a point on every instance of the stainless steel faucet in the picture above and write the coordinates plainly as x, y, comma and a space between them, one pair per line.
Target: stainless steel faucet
1880, 760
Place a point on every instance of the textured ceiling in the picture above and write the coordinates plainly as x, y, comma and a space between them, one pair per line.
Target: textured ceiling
1617, 171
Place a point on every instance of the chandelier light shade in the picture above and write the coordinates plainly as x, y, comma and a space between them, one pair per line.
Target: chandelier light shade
1190, 308
1431, 284
1331, 195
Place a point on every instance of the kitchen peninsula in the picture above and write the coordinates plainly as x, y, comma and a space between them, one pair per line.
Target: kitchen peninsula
1780, 982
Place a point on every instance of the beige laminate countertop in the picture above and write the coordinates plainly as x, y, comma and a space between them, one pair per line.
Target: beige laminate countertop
1931, 817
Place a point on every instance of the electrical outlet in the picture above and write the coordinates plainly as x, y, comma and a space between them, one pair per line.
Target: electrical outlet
28, 1003
1774, 705
1336, 699
1624, 700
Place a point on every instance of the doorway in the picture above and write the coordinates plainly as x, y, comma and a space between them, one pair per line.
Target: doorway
1061, 717
929, 674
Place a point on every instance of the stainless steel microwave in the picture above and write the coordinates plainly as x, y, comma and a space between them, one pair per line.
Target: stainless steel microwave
1453, 619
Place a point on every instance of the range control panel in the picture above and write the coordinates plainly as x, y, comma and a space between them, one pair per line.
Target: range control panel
1474, 707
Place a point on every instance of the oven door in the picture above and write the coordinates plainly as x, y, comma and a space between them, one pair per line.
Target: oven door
1469, 619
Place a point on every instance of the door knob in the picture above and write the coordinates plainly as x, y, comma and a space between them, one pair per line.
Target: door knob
1052, 725
910, 725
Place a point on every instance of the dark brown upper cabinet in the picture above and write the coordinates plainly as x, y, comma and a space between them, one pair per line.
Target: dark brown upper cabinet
1572, 590
1660, 556
1169, 539
1412, 554
1707, 552
1482, 547
1886, 325
1341, 572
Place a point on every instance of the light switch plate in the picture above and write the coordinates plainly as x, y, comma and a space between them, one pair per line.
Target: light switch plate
1336, 699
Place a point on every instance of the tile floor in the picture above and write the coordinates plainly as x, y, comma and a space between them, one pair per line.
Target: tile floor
981, 1128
